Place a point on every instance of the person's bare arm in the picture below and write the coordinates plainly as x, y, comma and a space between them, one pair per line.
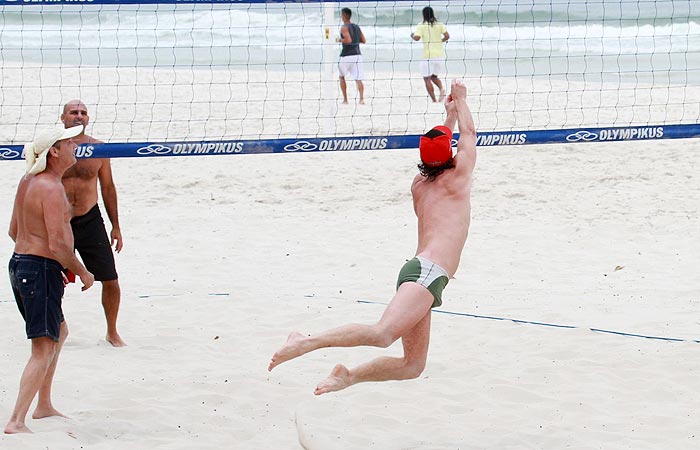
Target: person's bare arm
466, 146
451, 109
60, 236
445, 36
109, 196
362, 38
344, 35
13, 226
14, 221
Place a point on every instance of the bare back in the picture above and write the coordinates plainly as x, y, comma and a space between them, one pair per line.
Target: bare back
80, 181
41, 216
443, 209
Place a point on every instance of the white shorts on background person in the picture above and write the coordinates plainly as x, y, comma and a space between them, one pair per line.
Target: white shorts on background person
429, 67
351, 66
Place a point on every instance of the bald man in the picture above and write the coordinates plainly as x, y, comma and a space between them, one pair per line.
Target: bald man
91, 239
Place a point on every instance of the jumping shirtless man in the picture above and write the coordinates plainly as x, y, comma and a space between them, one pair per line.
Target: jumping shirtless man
441, 201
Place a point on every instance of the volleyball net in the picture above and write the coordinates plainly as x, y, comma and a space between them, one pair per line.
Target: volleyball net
195, 77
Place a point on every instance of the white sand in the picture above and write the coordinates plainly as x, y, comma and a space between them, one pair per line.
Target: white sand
224, 256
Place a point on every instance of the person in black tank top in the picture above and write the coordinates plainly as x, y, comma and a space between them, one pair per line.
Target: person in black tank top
354, 47
350, 56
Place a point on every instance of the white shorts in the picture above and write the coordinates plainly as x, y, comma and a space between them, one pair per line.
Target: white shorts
352, 66
429, 67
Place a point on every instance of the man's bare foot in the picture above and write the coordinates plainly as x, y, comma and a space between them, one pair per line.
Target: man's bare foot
42, 412
362, 101
115, 340
337, 380
12, 428
290, 350
345, 102
442, 95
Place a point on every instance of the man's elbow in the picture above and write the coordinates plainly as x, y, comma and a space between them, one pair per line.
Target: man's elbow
467, 131
108, 191
59, 249
107, 186
54, 249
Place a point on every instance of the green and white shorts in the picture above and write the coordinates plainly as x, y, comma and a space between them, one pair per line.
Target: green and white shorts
426, 273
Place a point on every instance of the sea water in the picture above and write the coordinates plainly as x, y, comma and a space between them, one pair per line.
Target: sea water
619, 40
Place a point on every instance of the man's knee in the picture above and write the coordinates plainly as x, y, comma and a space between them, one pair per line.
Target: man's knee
64, 332
414, 368
111, 287
43, 348
382, 337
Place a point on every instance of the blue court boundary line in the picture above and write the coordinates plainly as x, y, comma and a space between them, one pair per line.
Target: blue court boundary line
352, 143
545, 324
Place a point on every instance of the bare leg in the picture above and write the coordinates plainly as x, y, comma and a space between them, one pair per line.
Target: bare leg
407, 308
344, 89
438, 83
429, 88
351, 335
44, 407
361, 90
43, 350
415, 348
111, 297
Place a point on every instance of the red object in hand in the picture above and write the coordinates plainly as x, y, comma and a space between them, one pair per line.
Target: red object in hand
71, 276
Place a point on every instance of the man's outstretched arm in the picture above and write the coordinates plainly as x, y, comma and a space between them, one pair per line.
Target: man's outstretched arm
451, 109
467, 133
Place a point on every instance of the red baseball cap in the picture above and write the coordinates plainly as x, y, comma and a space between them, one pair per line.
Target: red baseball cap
436, 146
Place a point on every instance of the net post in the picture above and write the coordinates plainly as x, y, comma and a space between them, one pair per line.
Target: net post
328, 101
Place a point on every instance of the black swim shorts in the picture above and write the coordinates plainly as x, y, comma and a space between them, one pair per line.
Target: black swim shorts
92, 243
37, 283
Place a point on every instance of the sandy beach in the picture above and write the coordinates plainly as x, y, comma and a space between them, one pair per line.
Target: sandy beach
573, 321
224, 256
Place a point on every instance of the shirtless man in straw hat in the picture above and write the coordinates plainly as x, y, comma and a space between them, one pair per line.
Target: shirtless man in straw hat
441, 201
91, 239
43, 247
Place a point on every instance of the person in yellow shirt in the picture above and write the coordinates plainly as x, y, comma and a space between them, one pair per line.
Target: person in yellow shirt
434, 35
